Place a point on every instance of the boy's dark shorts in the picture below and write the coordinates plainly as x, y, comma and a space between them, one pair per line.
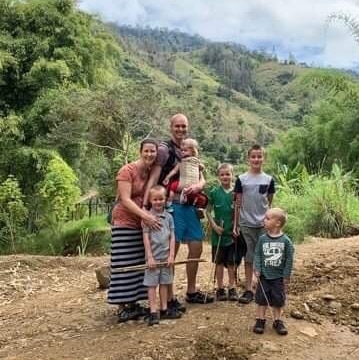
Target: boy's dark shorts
225, 254
274, 290
231, 254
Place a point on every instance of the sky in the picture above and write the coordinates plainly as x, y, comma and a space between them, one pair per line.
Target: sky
299, 27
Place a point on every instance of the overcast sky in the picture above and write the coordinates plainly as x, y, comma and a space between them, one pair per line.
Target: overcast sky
296, 26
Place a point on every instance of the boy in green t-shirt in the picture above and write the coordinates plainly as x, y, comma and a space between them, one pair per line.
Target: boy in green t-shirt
220, 201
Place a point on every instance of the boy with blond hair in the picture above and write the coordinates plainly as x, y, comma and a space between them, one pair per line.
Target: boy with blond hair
223, 247
273, 264
159, 247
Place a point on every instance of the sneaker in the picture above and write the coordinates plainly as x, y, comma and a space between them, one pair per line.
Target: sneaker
175, 304
130, 312
279, 327
259, 326
199, 297
170, 314
232, 295
153, 319
246, 297
221, 295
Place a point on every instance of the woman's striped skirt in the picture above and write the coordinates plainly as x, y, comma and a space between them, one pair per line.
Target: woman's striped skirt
127, 249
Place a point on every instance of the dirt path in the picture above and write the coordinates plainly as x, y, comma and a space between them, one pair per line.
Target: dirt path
51, 308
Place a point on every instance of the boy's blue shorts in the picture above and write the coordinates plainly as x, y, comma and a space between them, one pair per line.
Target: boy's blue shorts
187, 223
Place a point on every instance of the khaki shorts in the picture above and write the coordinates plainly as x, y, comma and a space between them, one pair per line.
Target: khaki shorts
251, 236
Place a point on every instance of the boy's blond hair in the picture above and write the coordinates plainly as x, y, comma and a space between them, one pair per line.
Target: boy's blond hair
225, 166
280, 215
157, 188
192, 144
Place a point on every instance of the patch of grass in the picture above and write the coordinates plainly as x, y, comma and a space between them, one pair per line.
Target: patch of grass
85, 236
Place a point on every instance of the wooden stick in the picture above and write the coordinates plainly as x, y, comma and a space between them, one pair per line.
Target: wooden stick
161, 263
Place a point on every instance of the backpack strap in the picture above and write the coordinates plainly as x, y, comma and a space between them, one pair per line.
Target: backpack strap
173, 158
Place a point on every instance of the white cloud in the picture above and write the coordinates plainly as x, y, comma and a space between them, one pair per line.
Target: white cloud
291, 25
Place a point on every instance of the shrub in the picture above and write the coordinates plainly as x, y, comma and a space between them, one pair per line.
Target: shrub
58, 190
13, 214
85, 236
318, 205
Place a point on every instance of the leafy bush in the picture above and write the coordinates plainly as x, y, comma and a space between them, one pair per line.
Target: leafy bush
12, 214
318, 205
58, 190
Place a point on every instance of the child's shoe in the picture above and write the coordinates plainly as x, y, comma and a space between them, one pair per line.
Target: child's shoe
259, 326
232, 294
279, 327
221, 295
153, 319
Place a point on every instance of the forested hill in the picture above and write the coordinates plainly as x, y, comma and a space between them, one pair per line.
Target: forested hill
249, 93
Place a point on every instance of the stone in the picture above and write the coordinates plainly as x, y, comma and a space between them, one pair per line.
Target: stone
354, 306
328, 297
103, 277
335, 305
296, 314
309, 331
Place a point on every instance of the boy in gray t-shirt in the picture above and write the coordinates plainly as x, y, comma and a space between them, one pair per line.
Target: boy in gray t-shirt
254, 192
159, 247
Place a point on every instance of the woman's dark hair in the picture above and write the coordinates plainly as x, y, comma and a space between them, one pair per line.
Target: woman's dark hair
148, 141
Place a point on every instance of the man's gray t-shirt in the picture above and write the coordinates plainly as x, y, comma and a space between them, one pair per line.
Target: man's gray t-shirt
254, 190
160, 239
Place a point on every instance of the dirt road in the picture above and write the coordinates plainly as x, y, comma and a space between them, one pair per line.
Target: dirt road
51, 308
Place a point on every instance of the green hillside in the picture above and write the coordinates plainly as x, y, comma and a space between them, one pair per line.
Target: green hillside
233, 96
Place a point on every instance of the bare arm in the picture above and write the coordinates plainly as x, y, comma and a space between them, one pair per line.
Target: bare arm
171, 255
271, 191
270, 199
147, 243
237, 206
124, 190
172, 173
153, 180
218, 229
198, 187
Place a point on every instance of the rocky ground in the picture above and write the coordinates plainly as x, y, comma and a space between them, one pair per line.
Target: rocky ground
52, 308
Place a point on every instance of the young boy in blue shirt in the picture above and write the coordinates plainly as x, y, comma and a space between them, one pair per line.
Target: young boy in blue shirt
159, 247
273, 264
